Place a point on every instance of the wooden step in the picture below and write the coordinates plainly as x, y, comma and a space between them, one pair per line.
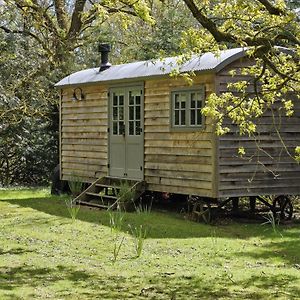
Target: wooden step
92, 204
103, 185
101, 196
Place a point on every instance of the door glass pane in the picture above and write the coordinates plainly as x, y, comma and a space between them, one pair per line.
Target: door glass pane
121, 100
137, 112
121, 128
121, 113
138, 100
115, 113
131, 127
115, 99
115, 128
131, 113
138, 128
131, 99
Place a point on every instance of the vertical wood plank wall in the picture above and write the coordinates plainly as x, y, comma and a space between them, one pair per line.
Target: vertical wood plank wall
178, 162
267, 168
84, 134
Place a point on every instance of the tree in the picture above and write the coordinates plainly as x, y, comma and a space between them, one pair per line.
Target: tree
38, 40
60, 26
260, 26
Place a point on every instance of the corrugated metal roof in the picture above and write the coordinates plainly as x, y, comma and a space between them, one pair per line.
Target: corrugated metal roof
146, 69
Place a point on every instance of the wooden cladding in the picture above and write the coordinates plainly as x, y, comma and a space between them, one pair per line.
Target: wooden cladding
84, 135
268, 166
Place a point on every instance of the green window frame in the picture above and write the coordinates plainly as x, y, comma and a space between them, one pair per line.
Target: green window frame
186, 107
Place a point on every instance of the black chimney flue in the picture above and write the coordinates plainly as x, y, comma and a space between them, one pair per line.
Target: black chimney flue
104, 49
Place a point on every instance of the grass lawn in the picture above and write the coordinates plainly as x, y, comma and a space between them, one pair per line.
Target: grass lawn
44, 255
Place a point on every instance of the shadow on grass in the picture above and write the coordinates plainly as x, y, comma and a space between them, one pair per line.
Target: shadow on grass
161, 225
15, 251
68, 282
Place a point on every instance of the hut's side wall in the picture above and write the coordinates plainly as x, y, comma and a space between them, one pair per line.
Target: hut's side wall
178, 162
83, 129
267, 168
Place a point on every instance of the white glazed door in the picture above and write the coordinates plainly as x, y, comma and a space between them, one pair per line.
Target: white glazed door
126, 146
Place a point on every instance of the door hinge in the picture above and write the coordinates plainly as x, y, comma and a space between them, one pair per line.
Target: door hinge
108, 94
107, 129
141, 168
108, 166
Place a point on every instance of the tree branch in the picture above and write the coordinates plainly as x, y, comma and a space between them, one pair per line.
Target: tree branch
76, 22
271, 8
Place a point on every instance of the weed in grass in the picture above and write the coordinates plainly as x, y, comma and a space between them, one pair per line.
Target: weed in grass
118, 242
143, 209
75, 185
271, 220
125, 195
140, 234
116, 220
73, 209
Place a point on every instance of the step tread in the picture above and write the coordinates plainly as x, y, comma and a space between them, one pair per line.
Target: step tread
101, 196
103, 185
93, 204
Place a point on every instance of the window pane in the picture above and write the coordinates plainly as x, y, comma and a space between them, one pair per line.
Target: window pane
138, 100
121, 128
137, 112
131, 112
131, 100
182, 103
138, 128
176, 101
121, 100
182, 117
193, 100
115, 128
115, 113
176, 121
199, 117
131, 128
199, 104
115, 100
193, 117
121, 113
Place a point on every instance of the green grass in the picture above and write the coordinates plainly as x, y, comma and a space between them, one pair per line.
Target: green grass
44, 255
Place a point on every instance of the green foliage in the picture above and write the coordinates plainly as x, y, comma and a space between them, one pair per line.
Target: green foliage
140, 234
116, 220
75, 185
273, 221
259, 27
73, 209
125, 196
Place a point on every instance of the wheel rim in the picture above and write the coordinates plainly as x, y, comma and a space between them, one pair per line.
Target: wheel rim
283, 206
202, 211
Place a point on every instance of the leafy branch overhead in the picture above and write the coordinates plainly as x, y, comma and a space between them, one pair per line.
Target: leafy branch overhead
61, 26
260, 26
